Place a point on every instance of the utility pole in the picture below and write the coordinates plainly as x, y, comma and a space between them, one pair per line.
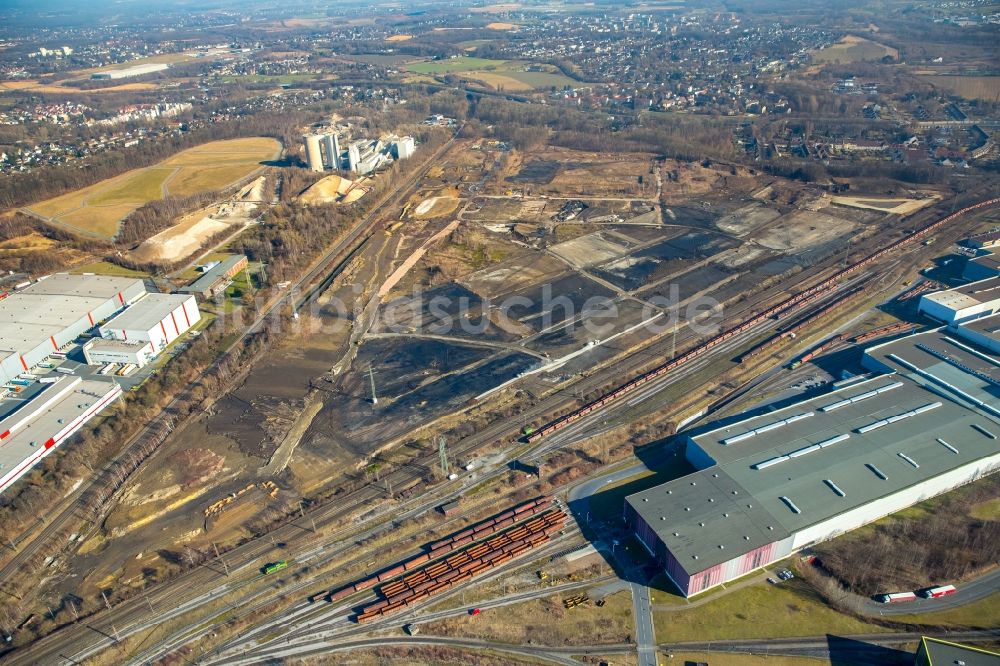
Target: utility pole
371, 377
443, 455
106, 602
673, 341
224, 566
246, 274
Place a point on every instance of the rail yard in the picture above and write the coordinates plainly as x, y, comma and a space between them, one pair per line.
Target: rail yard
771, 314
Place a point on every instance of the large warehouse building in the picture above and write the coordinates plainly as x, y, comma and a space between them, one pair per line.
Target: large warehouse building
775, 483
31, 430
42, 321
51, 313
156, 320
964, 303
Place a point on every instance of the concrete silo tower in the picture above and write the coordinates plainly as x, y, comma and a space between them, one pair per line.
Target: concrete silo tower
314, 155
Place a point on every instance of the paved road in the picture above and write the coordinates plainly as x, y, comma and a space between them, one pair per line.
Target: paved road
642, 610
645, 640
969, 591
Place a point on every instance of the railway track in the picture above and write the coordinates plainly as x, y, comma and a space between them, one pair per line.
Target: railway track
792, 301
253, 550
333, 622
333, 262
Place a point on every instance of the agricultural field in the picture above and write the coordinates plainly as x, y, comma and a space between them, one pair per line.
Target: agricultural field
54, 88
96, 210
453, 65
507, 75
969, 87
854, 49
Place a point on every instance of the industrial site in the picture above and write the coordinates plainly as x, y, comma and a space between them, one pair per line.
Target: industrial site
662, 333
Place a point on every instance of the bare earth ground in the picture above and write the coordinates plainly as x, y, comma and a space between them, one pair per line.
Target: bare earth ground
897, 206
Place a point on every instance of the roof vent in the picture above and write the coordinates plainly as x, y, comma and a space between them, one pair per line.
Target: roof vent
670, 492
693, 483
701, 524
663, 517
725, 515
645, 499
687, 508
877, 472
677, 534
694, 557
791, 505
746, 538
736, 492
715, 476
770, 528
711, 499
721, 547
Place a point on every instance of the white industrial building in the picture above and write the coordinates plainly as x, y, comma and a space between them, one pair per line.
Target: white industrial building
364, 156
128, 72
31, 430
403, 148
156, 319
772, 484
984, 332
99, 351
322, 151
331, 145
51, 313
964, 303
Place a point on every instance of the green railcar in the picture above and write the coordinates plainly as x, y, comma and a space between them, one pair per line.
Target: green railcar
274, 566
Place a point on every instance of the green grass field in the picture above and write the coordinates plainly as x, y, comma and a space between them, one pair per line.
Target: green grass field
758, 611
506, 75
276, 78
452, 65
107, 268
97, 210
984, 614
543, 80
142, 186
854, 49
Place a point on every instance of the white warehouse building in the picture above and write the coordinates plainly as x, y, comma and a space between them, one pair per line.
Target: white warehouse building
31, 430
51, 313
156, 320
964, 303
